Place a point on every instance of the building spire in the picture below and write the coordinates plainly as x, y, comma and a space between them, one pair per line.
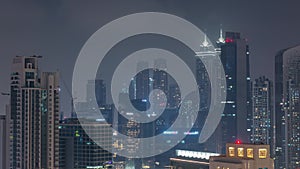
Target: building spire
221, 39
205, 42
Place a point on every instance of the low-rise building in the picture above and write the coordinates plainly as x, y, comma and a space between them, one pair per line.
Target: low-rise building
243, 156
186, 159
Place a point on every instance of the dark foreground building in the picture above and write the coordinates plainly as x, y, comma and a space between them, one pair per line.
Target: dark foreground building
78, 150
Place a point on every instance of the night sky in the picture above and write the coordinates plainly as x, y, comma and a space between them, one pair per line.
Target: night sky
57, 29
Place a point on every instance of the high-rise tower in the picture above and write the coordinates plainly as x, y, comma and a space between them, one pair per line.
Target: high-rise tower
263, 114
142, 81
207, 60
98, 87
34, 115
287, 107
235, 60
160, 75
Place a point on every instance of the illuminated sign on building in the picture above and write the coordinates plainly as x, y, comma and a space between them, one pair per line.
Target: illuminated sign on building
95, 167
195, 154
191, 133
170, 132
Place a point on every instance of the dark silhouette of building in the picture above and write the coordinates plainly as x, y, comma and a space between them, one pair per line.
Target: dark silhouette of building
235, 123
78, 150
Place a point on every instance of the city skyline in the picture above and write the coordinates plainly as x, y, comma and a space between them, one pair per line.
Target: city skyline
148, 85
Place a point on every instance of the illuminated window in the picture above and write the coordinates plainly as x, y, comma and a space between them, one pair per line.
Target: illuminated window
262, 153
240, 152
231, 151
250, 152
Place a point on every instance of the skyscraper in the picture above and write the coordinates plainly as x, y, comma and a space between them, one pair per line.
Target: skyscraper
34, 115
174, 97
142, 81
235, 60
203, 81
207, 60
98, 87
160, 76
263, 114
287, 107
279, 113
127, 126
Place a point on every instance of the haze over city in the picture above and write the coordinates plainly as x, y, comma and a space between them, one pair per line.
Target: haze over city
149, 84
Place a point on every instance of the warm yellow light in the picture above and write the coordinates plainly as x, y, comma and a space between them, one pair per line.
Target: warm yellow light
231, 151
250, 152
262, 153
240, 152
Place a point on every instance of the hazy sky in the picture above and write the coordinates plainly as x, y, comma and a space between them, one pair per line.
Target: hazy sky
57, 29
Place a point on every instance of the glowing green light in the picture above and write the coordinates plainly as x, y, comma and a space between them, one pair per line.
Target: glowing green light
77, 133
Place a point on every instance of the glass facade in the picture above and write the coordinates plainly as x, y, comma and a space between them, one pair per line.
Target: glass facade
78, 150
287, 107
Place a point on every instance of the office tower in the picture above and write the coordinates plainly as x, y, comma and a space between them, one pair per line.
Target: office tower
279, 113
3, 141
95, 96
174, 97
124, 122
160, 76
100, 91
34, 115
235, 60
96, 88
263, 114
206, 60
287, 107
142, 81
243, 156
78, 150
203, 82
49, 84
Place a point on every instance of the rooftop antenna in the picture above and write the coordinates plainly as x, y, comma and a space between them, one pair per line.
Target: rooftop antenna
221, 39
